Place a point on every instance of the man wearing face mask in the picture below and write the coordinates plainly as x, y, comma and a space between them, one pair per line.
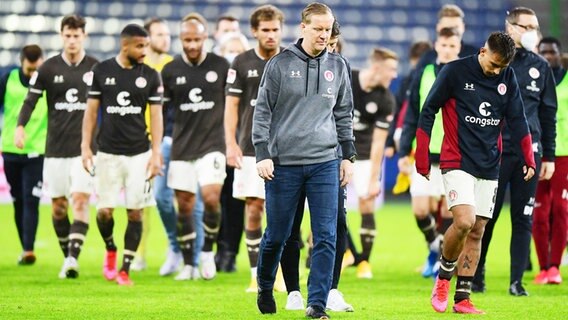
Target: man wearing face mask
537, 86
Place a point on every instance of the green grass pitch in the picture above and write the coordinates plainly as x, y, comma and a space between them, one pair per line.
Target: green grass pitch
396, 292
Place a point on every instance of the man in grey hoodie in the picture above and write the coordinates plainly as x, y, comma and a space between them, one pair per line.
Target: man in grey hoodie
304, 109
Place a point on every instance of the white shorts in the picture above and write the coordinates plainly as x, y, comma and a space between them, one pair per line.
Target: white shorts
247, 183
188, 175
115, 172
463, 188
65, 176
422, 187
361, 177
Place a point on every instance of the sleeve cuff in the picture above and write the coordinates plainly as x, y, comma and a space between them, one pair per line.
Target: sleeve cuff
261, 151
348, 149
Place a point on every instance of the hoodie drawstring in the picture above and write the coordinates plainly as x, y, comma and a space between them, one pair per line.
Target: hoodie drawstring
318, 85
307, 76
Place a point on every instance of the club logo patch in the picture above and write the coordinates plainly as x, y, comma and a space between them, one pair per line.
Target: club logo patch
534, 73
371, 107
141, 82
88, 78
328, 75
502, 89
453, 195
211, 76
231, 76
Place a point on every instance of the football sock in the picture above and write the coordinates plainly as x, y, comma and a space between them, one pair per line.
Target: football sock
367, 234
252, 241
447, 268
211, 223
131, 241
463, 288
105, 228
62, 227
186, 237
77, 237
428, 227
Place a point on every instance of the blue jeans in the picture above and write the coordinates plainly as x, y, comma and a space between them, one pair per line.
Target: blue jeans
320, 183
165, 202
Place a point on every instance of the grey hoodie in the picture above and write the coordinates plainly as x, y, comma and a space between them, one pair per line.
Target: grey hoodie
304, 109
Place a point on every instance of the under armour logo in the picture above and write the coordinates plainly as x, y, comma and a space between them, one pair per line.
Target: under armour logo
180, 80
58, 79
253, 73
469, 86
295, 74
110, 81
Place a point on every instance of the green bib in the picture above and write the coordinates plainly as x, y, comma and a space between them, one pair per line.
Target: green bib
562, 118
426, 82
36, 129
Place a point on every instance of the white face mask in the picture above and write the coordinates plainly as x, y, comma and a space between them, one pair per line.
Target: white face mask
529, 40
231, 57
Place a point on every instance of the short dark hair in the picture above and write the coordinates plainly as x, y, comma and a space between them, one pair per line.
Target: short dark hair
551, 40
449, 32
73, 21
265, 13
501, 43
133, 30
223, 17
31, 52
418, 49
148, 24
335, 29
513, 14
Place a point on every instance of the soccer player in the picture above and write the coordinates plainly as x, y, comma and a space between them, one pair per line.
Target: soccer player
304, 92
122, 88
64, 78
551, 206
374, 105
537, 87
428, 195
242, 87
194, 85
23, 166
475, 94
225, 24
157, 56
449, 16
232, 209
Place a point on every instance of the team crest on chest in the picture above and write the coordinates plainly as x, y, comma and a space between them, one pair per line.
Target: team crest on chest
88, 78
211, 76
141, 82
502, 89
534, 73
328, 75
371, 107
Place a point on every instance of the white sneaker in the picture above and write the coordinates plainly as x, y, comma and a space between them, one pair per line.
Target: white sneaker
295, 301
208, 268
63, 271
71, 268
335, 302
185, 273
139, 264
172, 263
195, 274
